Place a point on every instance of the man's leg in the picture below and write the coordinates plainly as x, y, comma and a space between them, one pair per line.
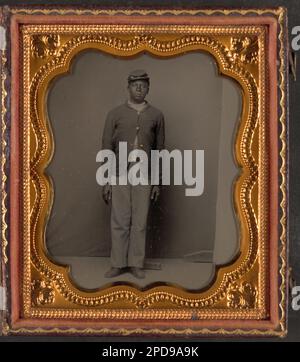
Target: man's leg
140, 201
120, 225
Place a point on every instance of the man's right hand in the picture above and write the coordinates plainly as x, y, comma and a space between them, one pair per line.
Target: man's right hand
106, 193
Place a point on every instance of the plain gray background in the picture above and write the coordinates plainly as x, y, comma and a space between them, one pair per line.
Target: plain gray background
196, 102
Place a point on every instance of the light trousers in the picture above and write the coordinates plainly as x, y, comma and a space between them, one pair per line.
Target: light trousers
129, 213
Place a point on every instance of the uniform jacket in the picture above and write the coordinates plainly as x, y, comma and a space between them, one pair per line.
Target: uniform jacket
124, 124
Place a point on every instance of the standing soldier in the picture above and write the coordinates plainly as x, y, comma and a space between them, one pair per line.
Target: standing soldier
141, 126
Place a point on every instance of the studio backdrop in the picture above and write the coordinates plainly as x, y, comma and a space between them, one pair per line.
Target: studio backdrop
202, 111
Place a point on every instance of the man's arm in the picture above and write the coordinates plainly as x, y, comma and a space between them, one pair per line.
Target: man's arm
160, 140
160, 133
160, 145
107, 144
108, 132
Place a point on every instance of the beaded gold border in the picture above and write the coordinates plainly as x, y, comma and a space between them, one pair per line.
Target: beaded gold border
102, 37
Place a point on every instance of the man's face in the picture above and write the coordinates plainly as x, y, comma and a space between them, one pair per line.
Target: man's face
138, 90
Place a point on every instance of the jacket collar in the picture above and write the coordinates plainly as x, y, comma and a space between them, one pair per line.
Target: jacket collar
147, 105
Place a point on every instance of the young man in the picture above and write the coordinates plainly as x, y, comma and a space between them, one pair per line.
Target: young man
141, 126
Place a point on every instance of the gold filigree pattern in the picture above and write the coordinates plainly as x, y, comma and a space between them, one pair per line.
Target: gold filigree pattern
283, 172
243, 50
42, 293
4, 327
241, 296
3, 159
45, 45
152, 331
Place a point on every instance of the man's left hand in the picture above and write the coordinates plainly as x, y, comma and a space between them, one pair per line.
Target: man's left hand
155, 193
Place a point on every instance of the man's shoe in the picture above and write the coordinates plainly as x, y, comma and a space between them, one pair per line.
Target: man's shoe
138, 273
113, 272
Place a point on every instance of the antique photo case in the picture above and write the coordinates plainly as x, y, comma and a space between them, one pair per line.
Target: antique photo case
203, 252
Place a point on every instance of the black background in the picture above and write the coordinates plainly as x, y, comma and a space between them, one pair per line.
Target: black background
293, 7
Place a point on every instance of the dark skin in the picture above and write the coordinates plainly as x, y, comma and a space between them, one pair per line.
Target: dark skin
137, 91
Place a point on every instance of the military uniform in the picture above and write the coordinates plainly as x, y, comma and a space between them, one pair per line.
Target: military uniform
140, 127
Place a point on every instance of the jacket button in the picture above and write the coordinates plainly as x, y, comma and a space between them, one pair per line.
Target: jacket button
137, 128
142, 146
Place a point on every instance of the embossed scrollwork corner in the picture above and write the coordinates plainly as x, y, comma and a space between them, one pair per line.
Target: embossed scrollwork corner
243, 296
45, 45
243, 50
42, 293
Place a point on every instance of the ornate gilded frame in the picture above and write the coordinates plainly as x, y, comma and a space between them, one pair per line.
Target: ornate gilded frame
248, 296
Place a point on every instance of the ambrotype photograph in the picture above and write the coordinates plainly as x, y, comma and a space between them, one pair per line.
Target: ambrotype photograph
146, 190
173, 230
